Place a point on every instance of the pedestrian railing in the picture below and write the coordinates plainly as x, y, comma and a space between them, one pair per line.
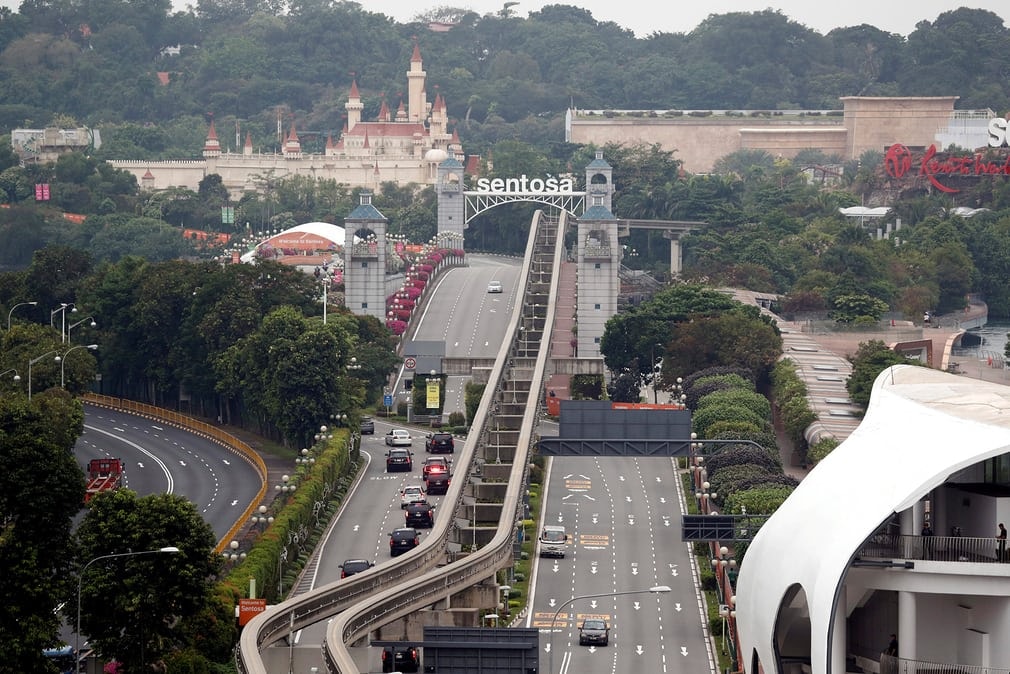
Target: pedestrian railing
890, 664
934, 548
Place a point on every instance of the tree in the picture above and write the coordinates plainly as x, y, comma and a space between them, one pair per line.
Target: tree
871, 358
41, 490
131, 606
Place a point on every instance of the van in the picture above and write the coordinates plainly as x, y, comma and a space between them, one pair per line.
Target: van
553, 541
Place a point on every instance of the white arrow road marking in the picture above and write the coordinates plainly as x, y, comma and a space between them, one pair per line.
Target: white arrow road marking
592, 604
561, 518
628, 499
683, 651
662, 499
547, 648
659, 479
118, 429
637, 605
596, 518
621, 479
592, 649
566, 497
157, 428
638, 649
666, 520
631, 519
234, 502
551, 602
226, 462
589, 497
676, 607
182, 463
592, 568
356, 527
568, 476
555, 569
140, 464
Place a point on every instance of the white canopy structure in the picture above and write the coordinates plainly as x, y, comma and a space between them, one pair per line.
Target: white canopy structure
310, 231
922, 427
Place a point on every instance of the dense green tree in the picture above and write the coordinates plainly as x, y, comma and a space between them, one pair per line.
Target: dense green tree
870, 359
131, 605
41, 490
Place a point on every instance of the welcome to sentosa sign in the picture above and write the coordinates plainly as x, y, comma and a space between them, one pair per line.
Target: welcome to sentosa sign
936, 166
548, 185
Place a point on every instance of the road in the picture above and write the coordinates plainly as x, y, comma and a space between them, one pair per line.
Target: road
163, 459
623, 519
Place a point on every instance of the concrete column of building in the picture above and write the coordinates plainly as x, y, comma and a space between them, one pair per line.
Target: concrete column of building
918, 516
907, 521
676, 259
450, 199
598, 255
906, 625
839, 635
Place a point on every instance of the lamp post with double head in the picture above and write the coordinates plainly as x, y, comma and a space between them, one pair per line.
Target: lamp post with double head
63, 361
31, 363
80, 582
19, 304
658, 589
62, 310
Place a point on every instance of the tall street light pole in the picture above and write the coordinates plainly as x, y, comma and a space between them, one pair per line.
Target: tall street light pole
32, 362
80, 579
62, 311
19, 304
63, 361
74, 325
658, 589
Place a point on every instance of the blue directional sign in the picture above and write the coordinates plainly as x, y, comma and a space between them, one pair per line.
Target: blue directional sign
387, 400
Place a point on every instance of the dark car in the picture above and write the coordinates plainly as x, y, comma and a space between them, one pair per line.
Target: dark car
594, 632
400, 659
403, 540
367, 426
437, 483
420, 515
434, 464
399, 460
439, 443
353, 566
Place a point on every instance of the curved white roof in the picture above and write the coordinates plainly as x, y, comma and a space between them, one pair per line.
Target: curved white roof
333, 233
922, 426
865, 211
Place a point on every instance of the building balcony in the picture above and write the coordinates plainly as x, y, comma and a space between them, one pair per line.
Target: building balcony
954, 549
890, 664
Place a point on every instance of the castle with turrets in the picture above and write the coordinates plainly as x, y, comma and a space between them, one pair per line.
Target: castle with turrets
402, 147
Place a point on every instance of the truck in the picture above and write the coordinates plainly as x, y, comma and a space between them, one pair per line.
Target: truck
103, 475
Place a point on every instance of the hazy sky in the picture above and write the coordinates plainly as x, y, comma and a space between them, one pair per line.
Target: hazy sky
648, 16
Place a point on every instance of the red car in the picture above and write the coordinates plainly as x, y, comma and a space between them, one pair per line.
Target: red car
434, 464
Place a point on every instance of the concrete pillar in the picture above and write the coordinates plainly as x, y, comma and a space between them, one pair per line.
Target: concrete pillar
676, 259
906, 625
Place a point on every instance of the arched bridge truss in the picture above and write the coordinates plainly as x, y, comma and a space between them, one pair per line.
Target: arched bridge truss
478, 202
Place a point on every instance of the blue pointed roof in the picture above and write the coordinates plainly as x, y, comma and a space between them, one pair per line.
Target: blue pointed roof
451, 162
597, 213
598, 163
365, 212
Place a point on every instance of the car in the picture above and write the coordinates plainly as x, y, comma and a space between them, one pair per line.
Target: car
403, 540
397, 437
353, 566
439, 443
594, 632
367, 426
434, 464
419, 515
399, 460
437, 483
495, 287
412, 494
553, 541
399, 659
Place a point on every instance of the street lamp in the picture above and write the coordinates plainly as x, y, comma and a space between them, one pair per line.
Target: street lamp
233, 554
652, 371
704, 494
658, 589
80, 580
74, 325
32, 362
63, 361
16, 376
261, 516
19, 304
62, 310
285, 487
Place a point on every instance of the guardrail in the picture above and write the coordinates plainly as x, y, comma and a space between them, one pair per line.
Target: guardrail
361, 602
934, 548
200, 428
889, 664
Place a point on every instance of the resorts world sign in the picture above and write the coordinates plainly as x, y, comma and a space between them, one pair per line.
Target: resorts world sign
549, 185
935, 166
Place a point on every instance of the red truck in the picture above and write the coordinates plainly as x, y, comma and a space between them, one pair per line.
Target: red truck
103, 475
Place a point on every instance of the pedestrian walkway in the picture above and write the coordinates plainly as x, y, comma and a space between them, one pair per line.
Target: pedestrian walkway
563, 333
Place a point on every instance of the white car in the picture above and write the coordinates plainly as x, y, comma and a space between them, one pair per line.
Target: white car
495, 287
412, 494
398, 438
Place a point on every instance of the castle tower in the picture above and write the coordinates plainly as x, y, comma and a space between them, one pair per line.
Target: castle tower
247, 149
354, 106
599, 260
147, 182
450, 200
365, 259
417, 104
384, 115
292, 146
211, 146
600, 182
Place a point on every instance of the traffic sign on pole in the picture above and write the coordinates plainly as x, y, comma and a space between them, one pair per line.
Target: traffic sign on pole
409, 363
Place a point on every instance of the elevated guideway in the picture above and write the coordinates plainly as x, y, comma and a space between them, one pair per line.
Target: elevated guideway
492, 471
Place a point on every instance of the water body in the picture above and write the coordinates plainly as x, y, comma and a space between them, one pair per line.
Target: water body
993, 337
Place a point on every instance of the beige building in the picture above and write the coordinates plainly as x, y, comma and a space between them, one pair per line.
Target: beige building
700, 138
404, 147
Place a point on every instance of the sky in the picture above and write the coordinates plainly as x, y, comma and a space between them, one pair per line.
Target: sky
648, 16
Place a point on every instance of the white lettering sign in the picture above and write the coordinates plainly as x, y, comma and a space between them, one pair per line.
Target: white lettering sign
549, 185
998, 132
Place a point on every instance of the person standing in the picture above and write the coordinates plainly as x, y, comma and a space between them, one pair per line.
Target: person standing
892, 646
1001, 546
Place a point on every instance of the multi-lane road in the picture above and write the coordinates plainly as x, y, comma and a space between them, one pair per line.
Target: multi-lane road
623, 514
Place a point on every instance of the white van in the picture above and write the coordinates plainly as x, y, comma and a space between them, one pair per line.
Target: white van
553, 541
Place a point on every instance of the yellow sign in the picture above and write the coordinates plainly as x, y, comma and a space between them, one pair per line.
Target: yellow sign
432, 392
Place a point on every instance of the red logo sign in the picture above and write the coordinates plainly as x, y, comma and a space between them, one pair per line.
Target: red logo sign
249, 609
898, 162
409, 363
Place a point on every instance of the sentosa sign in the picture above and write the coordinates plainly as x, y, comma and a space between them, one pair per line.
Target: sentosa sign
998, 136
548, 185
